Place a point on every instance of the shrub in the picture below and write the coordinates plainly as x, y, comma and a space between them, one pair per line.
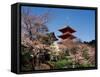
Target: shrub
63, 63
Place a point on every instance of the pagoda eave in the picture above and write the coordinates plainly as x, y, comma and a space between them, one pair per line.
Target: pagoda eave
67, 29
67, 37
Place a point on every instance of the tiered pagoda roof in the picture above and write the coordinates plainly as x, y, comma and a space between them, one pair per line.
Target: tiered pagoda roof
67, 33
67, 29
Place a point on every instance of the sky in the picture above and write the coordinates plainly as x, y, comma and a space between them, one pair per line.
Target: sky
83, 21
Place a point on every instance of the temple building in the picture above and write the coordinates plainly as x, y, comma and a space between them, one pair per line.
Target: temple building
53, 37
67, 39
67, 33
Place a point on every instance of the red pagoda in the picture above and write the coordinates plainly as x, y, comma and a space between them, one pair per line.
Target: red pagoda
67, 33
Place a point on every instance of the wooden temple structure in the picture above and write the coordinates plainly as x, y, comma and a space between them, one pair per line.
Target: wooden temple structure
52, 36
67, 33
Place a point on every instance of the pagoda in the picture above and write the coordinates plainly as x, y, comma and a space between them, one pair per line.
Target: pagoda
67, 33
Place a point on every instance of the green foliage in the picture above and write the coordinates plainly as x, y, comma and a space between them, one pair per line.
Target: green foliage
26, 59
27, 67
62, 64
85, 64
91, 43
85, 53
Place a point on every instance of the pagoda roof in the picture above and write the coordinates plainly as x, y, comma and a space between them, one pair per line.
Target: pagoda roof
66, 36
67, 29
